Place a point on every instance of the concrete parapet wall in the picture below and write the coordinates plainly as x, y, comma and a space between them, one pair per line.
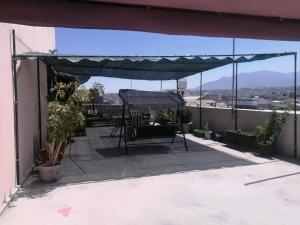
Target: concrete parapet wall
221, 119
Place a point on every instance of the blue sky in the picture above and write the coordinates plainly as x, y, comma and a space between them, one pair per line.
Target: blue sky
111, 42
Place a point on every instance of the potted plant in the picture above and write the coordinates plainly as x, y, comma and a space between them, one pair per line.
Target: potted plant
198, 133
185, 115
240, 137
165, 117
267, 134
64, 117
207, 132
218, 136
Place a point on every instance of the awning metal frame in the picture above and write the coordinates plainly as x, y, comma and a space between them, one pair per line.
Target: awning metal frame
39, 57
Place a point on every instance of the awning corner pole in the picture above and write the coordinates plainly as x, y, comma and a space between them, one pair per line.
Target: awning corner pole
200, 102
177, 90
233, 75
236, 97
16, 116
161, 86
39, 102
295, 106
122, 123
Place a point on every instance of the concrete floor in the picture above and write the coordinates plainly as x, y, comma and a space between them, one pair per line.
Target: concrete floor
210, 184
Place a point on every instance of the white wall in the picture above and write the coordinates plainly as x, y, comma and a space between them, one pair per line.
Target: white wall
220, 119
28, 39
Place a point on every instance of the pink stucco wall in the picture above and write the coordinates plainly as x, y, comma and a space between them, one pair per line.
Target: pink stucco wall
29, 112
7, 162
28, 39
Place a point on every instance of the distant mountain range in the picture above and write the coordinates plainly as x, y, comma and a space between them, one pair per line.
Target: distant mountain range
256, 79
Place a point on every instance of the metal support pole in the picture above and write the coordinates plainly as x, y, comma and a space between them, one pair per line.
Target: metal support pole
200, 103
236, 97
233, 75
122, 124
39, 102
16, 116
125, 139
183, 135
177, 91
295, 106
161, 86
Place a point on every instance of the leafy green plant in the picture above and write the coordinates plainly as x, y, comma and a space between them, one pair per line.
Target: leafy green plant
84, 93
198, 133
165, 116
268, 133
242, 132
96, 93
185, 114
62, 91
240, 137
64, 117
206, 128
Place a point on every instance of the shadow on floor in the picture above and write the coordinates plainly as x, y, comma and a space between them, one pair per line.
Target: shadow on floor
134, 150
95, 159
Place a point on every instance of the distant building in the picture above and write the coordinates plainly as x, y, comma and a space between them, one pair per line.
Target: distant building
194, 102
246, 103
215, 97
291, 106
280, 104
263, 103
254, 103
111, 98
182, 87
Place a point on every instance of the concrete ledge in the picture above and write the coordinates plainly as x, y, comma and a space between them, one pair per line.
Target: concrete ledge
221, 119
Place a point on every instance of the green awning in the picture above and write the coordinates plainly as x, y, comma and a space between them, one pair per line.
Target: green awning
143, 67
154, 100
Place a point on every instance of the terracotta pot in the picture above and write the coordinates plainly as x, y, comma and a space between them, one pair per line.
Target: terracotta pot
49, 173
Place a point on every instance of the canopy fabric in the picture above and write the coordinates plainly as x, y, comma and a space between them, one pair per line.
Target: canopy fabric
146, 100
143, 67
266, 19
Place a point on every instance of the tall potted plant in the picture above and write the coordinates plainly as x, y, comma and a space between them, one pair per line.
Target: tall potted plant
64, 117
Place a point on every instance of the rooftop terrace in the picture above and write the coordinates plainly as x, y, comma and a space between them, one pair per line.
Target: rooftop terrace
160, 184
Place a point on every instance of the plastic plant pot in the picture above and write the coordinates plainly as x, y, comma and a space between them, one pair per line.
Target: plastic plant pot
208, 134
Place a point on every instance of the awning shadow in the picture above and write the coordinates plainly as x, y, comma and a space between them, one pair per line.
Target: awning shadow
103, 161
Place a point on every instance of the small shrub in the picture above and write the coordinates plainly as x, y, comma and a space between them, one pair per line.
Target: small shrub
268, 133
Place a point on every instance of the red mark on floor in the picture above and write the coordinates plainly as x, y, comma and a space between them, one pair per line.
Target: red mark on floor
65, 211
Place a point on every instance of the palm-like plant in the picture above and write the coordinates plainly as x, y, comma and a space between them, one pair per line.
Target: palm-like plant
64, 116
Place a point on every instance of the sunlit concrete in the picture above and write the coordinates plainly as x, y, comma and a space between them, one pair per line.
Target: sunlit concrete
244, 190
